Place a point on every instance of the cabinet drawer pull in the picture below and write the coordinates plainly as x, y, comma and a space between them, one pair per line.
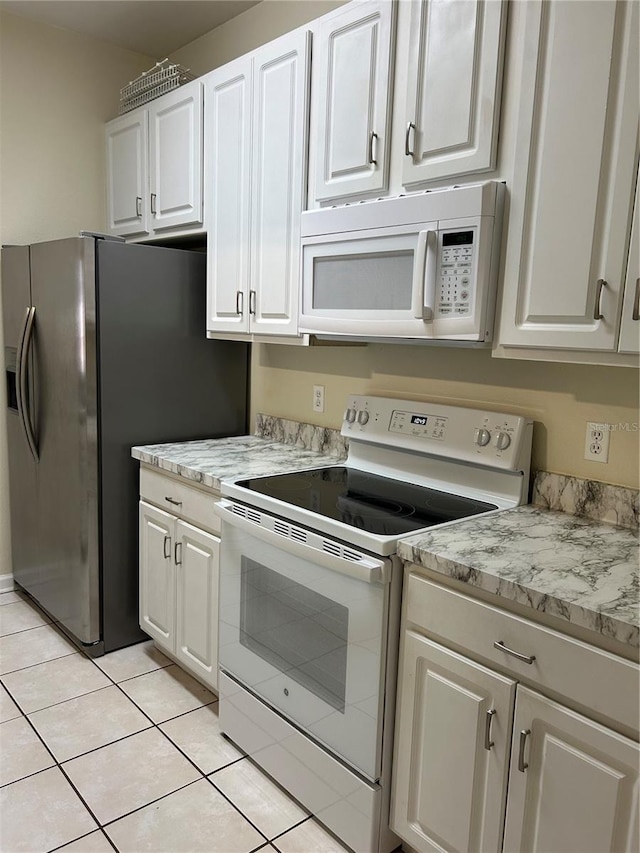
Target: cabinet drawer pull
153, 203
597, 312
636, 302
252, 302
239, 301
138, 205
408, 152
498, 644
488, 743
175, 553
522, 764
372, 160
167, 547
172, 501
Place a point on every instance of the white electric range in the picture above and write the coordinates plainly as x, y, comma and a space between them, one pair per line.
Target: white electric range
310, 589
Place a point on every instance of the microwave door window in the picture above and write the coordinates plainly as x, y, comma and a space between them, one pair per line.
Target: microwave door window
363, 282
300, 632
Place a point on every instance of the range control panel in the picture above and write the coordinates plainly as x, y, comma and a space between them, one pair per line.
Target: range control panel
456, 273
451, 432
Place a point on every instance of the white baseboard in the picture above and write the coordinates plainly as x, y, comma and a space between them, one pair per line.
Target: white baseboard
6, 582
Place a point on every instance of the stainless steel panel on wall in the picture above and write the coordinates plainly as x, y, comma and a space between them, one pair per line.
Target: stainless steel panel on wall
64, 350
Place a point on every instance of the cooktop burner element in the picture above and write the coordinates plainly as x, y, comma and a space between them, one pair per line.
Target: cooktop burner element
379, 505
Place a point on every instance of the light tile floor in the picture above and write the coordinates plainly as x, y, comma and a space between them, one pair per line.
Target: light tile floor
125, 753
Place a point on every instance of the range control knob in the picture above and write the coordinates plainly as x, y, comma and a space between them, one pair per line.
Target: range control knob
483, 437
363, 417
350, 415
503, 440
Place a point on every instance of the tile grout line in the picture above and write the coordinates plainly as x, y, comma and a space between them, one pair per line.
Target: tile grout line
153, 724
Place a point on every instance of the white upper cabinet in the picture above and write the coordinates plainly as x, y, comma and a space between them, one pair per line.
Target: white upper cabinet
352, 86
175, 145
630, 322
574, 177
255, 172
154, 166
127, 174
453, 87
227, 159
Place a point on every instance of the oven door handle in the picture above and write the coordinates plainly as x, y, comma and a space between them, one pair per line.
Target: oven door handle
369, 569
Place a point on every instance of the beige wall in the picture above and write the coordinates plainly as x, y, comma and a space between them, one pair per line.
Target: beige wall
560, 398
57, 88
255, 27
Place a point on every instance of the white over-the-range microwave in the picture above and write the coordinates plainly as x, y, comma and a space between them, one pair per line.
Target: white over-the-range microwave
420, 267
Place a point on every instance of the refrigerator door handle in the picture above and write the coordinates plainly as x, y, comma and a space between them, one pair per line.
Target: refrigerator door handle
23, 393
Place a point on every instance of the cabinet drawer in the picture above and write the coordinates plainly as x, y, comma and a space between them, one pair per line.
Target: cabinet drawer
588, 676
180, 499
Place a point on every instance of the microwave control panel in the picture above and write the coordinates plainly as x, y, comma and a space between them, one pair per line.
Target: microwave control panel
454, 289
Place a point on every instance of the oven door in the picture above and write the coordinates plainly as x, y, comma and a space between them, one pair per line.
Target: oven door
303, 624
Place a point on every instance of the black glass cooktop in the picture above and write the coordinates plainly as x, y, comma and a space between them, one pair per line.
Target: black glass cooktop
379, 505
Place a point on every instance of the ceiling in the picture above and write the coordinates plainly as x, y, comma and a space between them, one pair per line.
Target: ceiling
152, 27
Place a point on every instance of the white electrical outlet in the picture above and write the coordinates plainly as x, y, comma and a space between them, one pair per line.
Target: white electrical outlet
596, 443
318, 398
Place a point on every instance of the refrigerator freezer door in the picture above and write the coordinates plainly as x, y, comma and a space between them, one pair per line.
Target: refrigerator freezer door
67, 580
16, 298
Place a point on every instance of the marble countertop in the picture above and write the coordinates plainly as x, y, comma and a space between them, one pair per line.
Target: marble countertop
212, 460
582, 571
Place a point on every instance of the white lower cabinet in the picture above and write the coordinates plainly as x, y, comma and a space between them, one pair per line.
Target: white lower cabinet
483, 762
452, 750
179, 569
573, 784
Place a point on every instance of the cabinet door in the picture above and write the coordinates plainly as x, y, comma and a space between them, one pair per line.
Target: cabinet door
453, 733
227, 129
573, 784
127, 174
574, 176
157, 575
354, 56
197, 558
454, 81
630, 323
280, 118
175, 145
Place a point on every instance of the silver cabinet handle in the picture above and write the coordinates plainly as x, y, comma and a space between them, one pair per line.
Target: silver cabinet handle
252, 302
488, 743
498, 644
153, 203
597, 313
172, 501
167, 547
175, 553
138, 205
372, 137
239, 302
636, 302
407, 150
522, 764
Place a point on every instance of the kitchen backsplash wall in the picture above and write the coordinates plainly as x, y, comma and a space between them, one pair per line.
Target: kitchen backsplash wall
309, 436
561, 398
588, 499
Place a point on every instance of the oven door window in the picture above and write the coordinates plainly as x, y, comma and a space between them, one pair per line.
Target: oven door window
296, 630
308, 640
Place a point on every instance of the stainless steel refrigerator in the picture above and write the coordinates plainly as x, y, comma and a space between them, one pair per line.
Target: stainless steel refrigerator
105, 348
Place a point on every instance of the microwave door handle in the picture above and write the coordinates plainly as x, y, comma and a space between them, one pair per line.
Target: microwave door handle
429, 305
369, 571
423, 286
